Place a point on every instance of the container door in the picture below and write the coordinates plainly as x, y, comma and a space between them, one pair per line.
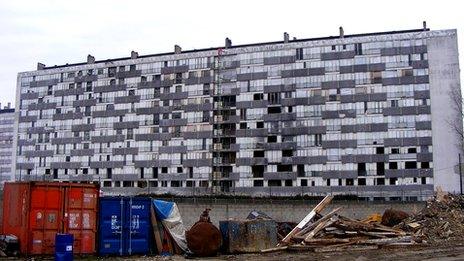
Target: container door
16, 212
111, 226
45, 218
138, 226
80, 217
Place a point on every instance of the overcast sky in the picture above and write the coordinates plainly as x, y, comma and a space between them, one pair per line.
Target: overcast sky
59, 32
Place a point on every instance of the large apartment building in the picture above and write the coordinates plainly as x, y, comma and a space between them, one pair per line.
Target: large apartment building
365, 114
7, 118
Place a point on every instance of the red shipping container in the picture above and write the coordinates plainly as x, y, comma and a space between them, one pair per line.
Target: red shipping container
36, 211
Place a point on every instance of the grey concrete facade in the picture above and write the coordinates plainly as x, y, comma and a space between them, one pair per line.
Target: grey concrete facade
356, 114
7, 118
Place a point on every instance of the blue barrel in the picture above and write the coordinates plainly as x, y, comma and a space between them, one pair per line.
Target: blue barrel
64, 247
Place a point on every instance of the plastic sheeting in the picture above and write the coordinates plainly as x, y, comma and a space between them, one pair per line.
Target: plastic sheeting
169, 215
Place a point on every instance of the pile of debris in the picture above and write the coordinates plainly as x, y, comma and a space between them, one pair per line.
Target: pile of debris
334, 232
442, 219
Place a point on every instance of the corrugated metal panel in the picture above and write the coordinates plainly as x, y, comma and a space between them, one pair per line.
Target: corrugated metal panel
125, 226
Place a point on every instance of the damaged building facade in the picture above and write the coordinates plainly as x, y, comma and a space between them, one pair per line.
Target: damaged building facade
7, 118
359, 114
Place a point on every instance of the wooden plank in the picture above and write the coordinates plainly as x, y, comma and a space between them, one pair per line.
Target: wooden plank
312, 226
327, 241
274, 249
388, 241
156, 231
299, 247
320, 227
344, 248
307, 219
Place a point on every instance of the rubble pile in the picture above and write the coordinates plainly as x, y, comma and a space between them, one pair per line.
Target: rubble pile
334, 232
441, 219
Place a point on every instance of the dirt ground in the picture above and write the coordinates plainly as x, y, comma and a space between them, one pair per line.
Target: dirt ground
449, 251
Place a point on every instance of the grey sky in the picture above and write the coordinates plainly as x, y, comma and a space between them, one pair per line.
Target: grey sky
59, 32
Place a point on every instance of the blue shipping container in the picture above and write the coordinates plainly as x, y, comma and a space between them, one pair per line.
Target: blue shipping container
64, 247
125, 226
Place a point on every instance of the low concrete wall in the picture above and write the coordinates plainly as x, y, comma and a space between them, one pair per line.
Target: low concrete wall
280, 210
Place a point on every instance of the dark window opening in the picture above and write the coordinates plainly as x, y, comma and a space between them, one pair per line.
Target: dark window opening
425, 165
304, 182
395, 151
288, 183
287, 153
412, 150
258, 183
179, 170
361, 182
274, 183
424, 180
176, 183
300, 170
257, 96
410, 165
358, 49
393, 181
318, 140
258, 171
258, 153
272, 110
109, 173
259, 124
155, 172
299, 54
380, 168
380, 181
164, 170
243, 125
349, 182
362, 169
380, 150
272, 139
393, 165
284, 168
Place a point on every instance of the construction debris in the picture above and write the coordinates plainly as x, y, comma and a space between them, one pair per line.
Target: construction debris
392, 217
334, 232
441, 219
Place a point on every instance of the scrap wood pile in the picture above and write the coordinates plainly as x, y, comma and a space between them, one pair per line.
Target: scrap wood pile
334, 232
441, 219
